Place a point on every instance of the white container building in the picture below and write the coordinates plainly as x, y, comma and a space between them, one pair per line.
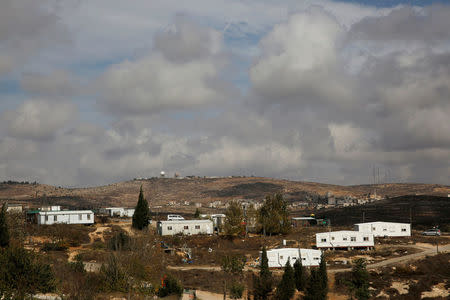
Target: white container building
65, 217
344, 239
277, 258
186, 227
385, 228
119, 212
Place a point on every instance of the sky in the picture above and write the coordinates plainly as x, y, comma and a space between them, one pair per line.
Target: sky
96, 92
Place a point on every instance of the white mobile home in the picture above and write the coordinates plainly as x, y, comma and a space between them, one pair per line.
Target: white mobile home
65, 217
344, 239
119, 211
385, 228
277, 258
186, 227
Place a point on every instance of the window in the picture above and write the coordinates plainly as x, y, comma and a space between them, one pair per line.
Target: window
403, 229
323, 240
366, 238
88, 216
281, 256
294, 258
56, 218
353, 238
332, 238
169, 227
46, 218
304, 258
80, 217
384, 229
186, 227
197, 226
344, 238
316, 258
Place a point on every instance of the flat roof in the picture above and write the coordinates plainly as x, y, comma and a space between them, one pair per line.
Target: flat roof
382, 222
303, 218
292, 249
185, 221
344, 231
65, 212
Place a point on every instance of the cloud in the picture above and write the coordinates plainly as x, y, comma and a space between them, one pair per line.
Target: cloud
57, 83
182, 72
39, 119
27, 27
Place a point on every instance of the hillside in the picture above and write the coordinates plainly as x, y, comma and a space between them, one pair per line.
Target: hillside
161, 190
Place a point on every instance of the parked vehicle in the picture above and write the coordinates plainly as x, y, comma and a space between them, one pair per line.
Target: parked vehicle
432, 232
174, 218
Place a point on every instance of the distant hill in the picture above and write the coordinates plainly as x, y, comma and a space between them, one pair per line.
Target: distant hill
205, 190
423, 210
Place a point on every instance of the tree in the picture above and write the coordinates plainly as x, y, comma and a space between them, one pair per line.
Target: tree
23, 274
359, 284
170, 286
299, 275
232, 265
274, 215
141, 214
286, 287
314, 287
4, 233
323, 275
234, 219
262, 285
197, 214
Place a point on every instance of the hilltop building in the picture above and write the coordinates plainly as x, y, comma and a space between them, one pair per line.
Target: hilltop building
277, 258
384, 228
185, 227
345, 239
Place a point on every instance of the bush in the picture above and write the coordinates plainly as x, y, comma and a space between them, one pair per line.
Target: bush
236, 290
170, 286
120, 241
55, 246
22, 273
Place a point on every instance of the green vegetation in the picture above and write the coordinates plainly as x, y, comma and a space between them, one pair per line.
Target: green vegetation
170, 286
234, 220
120, 241
274, 215
114, 276
317, 284
286, 287
299, 275
236, 290
359, 284
4, 232
197, 213
22, 274
141, 214
262, 284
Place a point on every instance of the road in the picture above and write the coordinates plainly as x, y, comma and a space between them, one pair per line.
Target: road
391, 261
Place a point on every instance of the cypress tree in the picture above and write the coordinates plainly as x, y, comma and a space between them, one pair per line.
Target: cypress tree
299, 275
141, 214
360, 280
286, 287
4, 232
263, 284
323, 275
314, 287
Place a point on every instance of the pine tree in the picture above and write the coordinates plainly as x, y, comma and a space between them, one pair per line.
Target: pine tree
4, 232
141, 214
286, 287
234, 219
299, 275
262, 285
360, 280
197, 214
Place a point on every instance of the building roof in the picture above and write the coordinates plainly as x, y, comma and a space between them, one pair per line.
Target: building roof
291, 249
185, 221
65, 212
344, 232
303, 218
382, 222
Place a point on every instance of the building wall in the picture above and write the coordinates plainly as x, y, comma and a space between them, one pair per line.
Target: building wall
186, 227
120, 211
385, 228
344, 239
277, 258
65, 217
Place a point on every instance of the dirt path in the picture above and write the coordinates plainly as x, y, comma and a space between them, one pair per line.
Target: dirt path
97, 234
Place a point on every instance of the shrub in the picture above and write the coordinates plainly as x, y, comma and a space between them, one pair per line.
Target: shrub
55, 246
170, 286
236, 290
120, 241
